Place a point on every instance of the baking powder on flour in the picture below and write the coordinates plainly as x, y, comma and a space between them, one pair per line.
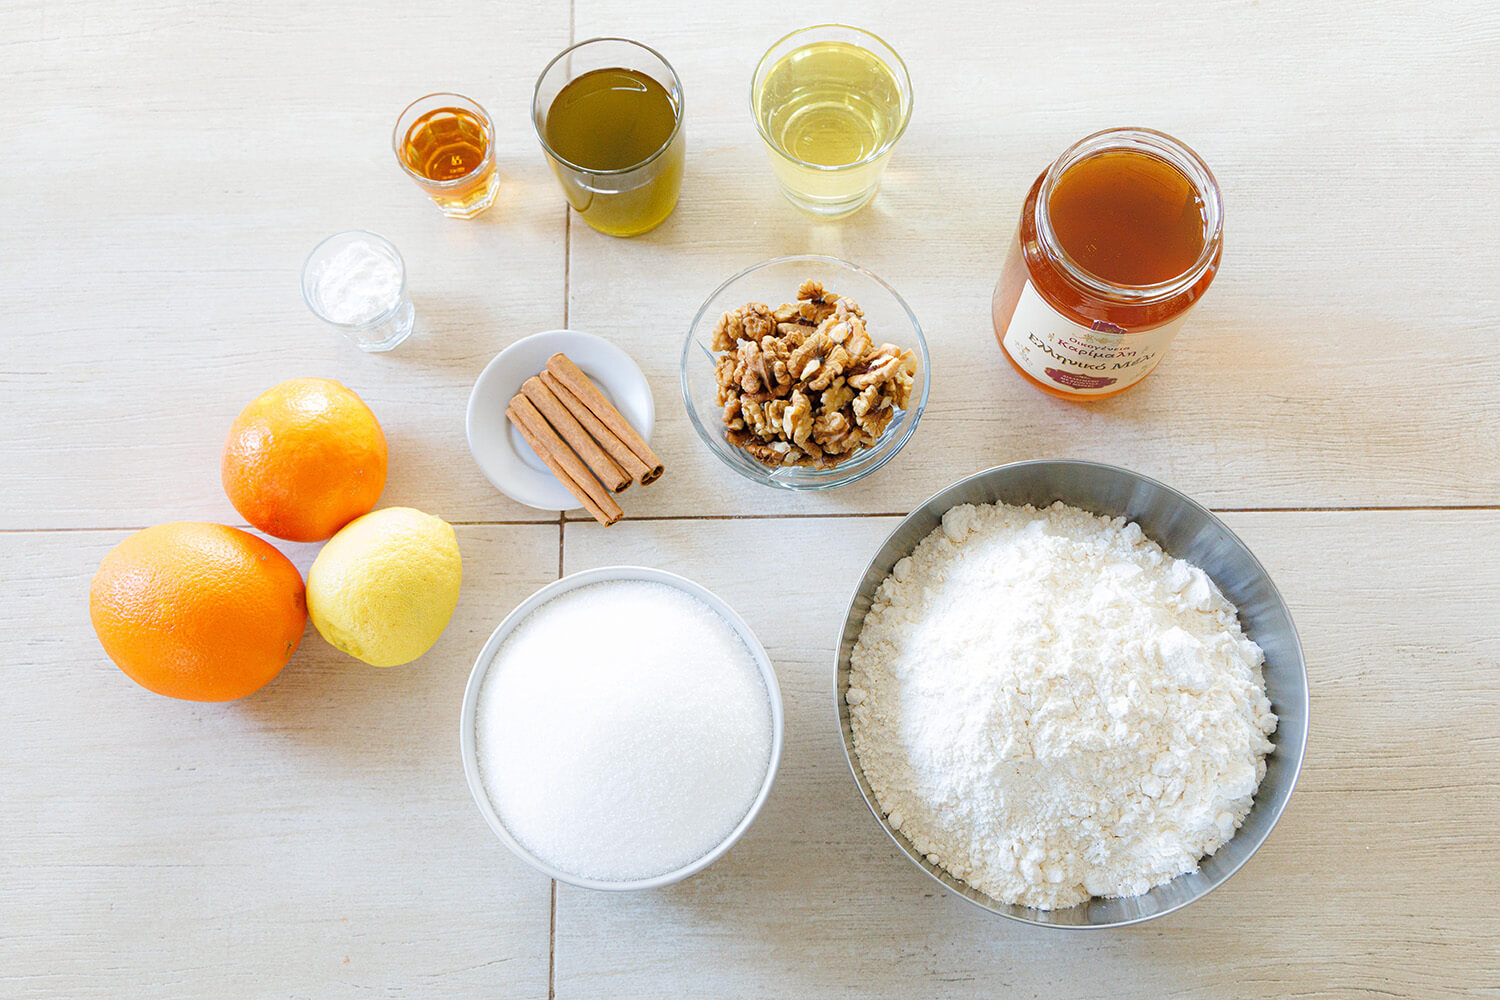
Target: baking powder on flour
1050, 707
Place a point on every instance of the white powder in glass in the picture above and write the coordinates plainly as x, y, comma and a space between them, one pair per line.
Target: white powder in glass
622, 731
1050, 707
358, 283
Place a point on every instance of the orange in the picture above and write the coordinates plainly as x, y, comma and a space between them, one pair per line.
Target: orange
198, 611
304, 459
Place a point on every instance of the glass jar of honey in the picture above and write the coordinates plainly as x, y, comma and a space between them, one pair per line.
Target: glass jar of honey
1118, 240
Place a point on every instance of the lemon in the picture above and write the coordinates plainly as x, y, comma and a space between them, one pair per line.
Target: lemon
383, 588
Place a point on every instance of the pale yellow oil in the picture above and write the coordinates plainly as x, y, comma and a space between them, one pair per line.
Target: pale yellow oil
830, 105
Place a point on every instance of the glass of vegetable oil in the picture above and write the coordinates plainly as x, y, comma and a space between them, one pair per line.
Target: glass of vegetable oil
830, 102
608, 112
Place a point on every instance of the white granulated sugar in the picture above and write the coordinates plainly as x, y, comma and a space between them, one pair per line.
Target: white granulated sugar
1052, 708
622, 731
357, 284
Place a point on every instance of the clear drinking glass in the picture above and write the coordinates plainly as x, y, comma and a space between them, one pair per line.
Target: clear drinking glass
446, 143
830, 102
356, 281
628, 200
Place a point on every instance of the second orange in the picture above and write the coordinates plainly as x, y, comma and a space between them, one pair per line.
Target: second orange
304, 459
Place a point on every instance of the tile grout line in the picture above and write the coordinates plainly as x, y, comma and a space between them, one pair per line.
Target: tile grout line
1392, 508
562, 521
567, 207
244, 527
1481, 508
1460, 508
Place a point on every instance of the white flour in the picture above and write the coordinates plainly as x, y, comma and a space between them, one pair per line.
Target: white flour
1052, 708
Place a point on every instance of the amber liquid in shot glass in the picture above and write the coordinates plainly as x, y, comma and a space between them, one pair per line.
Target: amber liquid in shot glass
446, 144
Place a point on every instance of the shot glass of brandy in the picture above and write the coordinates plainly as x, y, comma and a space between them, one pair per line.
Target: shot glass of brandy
446, 143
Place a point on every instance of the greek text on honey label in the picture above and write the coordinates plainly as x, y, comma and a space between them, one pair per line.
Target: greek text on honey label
1078, 358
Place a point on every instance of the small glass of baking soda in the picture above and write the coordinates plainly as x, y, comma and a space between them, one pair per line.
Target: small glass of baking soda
356, 281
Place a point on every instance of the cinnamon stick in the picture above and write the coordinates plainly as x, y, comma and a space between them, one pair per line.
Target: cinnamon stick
608, 439
570, 375
604, 468
565, 465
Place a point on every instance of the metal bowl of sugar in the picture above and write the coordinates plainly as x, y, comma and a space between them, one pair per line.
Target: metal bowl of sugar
1186, 530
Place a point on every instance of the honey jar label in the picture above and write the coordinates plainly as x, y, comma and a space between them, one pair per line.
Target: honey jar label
1079, 358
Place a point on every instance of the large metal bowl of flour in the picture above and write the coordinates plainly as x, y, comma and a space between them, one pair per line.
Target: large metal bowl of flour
1183, 528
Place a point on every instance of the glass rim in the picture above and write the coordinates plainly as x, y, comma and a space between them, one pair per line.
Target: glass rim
903, 82
1152, 142
427, 182
382, 317
536, 115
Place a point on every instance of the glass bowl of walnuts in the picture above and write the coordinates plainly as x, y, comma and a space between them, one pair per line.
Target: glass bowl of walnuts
805, 372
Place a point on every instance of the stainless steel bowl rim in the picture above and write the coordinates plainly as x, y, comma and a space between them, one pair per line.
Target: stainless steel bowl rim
851, 757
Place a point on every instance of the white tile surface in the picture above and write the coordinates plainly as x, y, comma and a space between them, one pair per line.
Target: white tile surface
1383, 854
169, 165
314, 840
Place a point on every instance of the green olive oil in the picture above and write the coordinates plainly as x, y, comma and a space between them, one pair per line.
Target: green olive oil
606, 125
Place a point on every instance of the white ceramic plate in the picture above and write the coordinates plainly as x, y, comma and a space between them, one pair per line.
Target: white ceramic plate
503, 455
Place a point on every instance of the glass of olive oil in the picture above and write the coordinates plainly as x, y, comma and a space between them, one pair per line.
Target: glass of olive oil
608, 112
830, 102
